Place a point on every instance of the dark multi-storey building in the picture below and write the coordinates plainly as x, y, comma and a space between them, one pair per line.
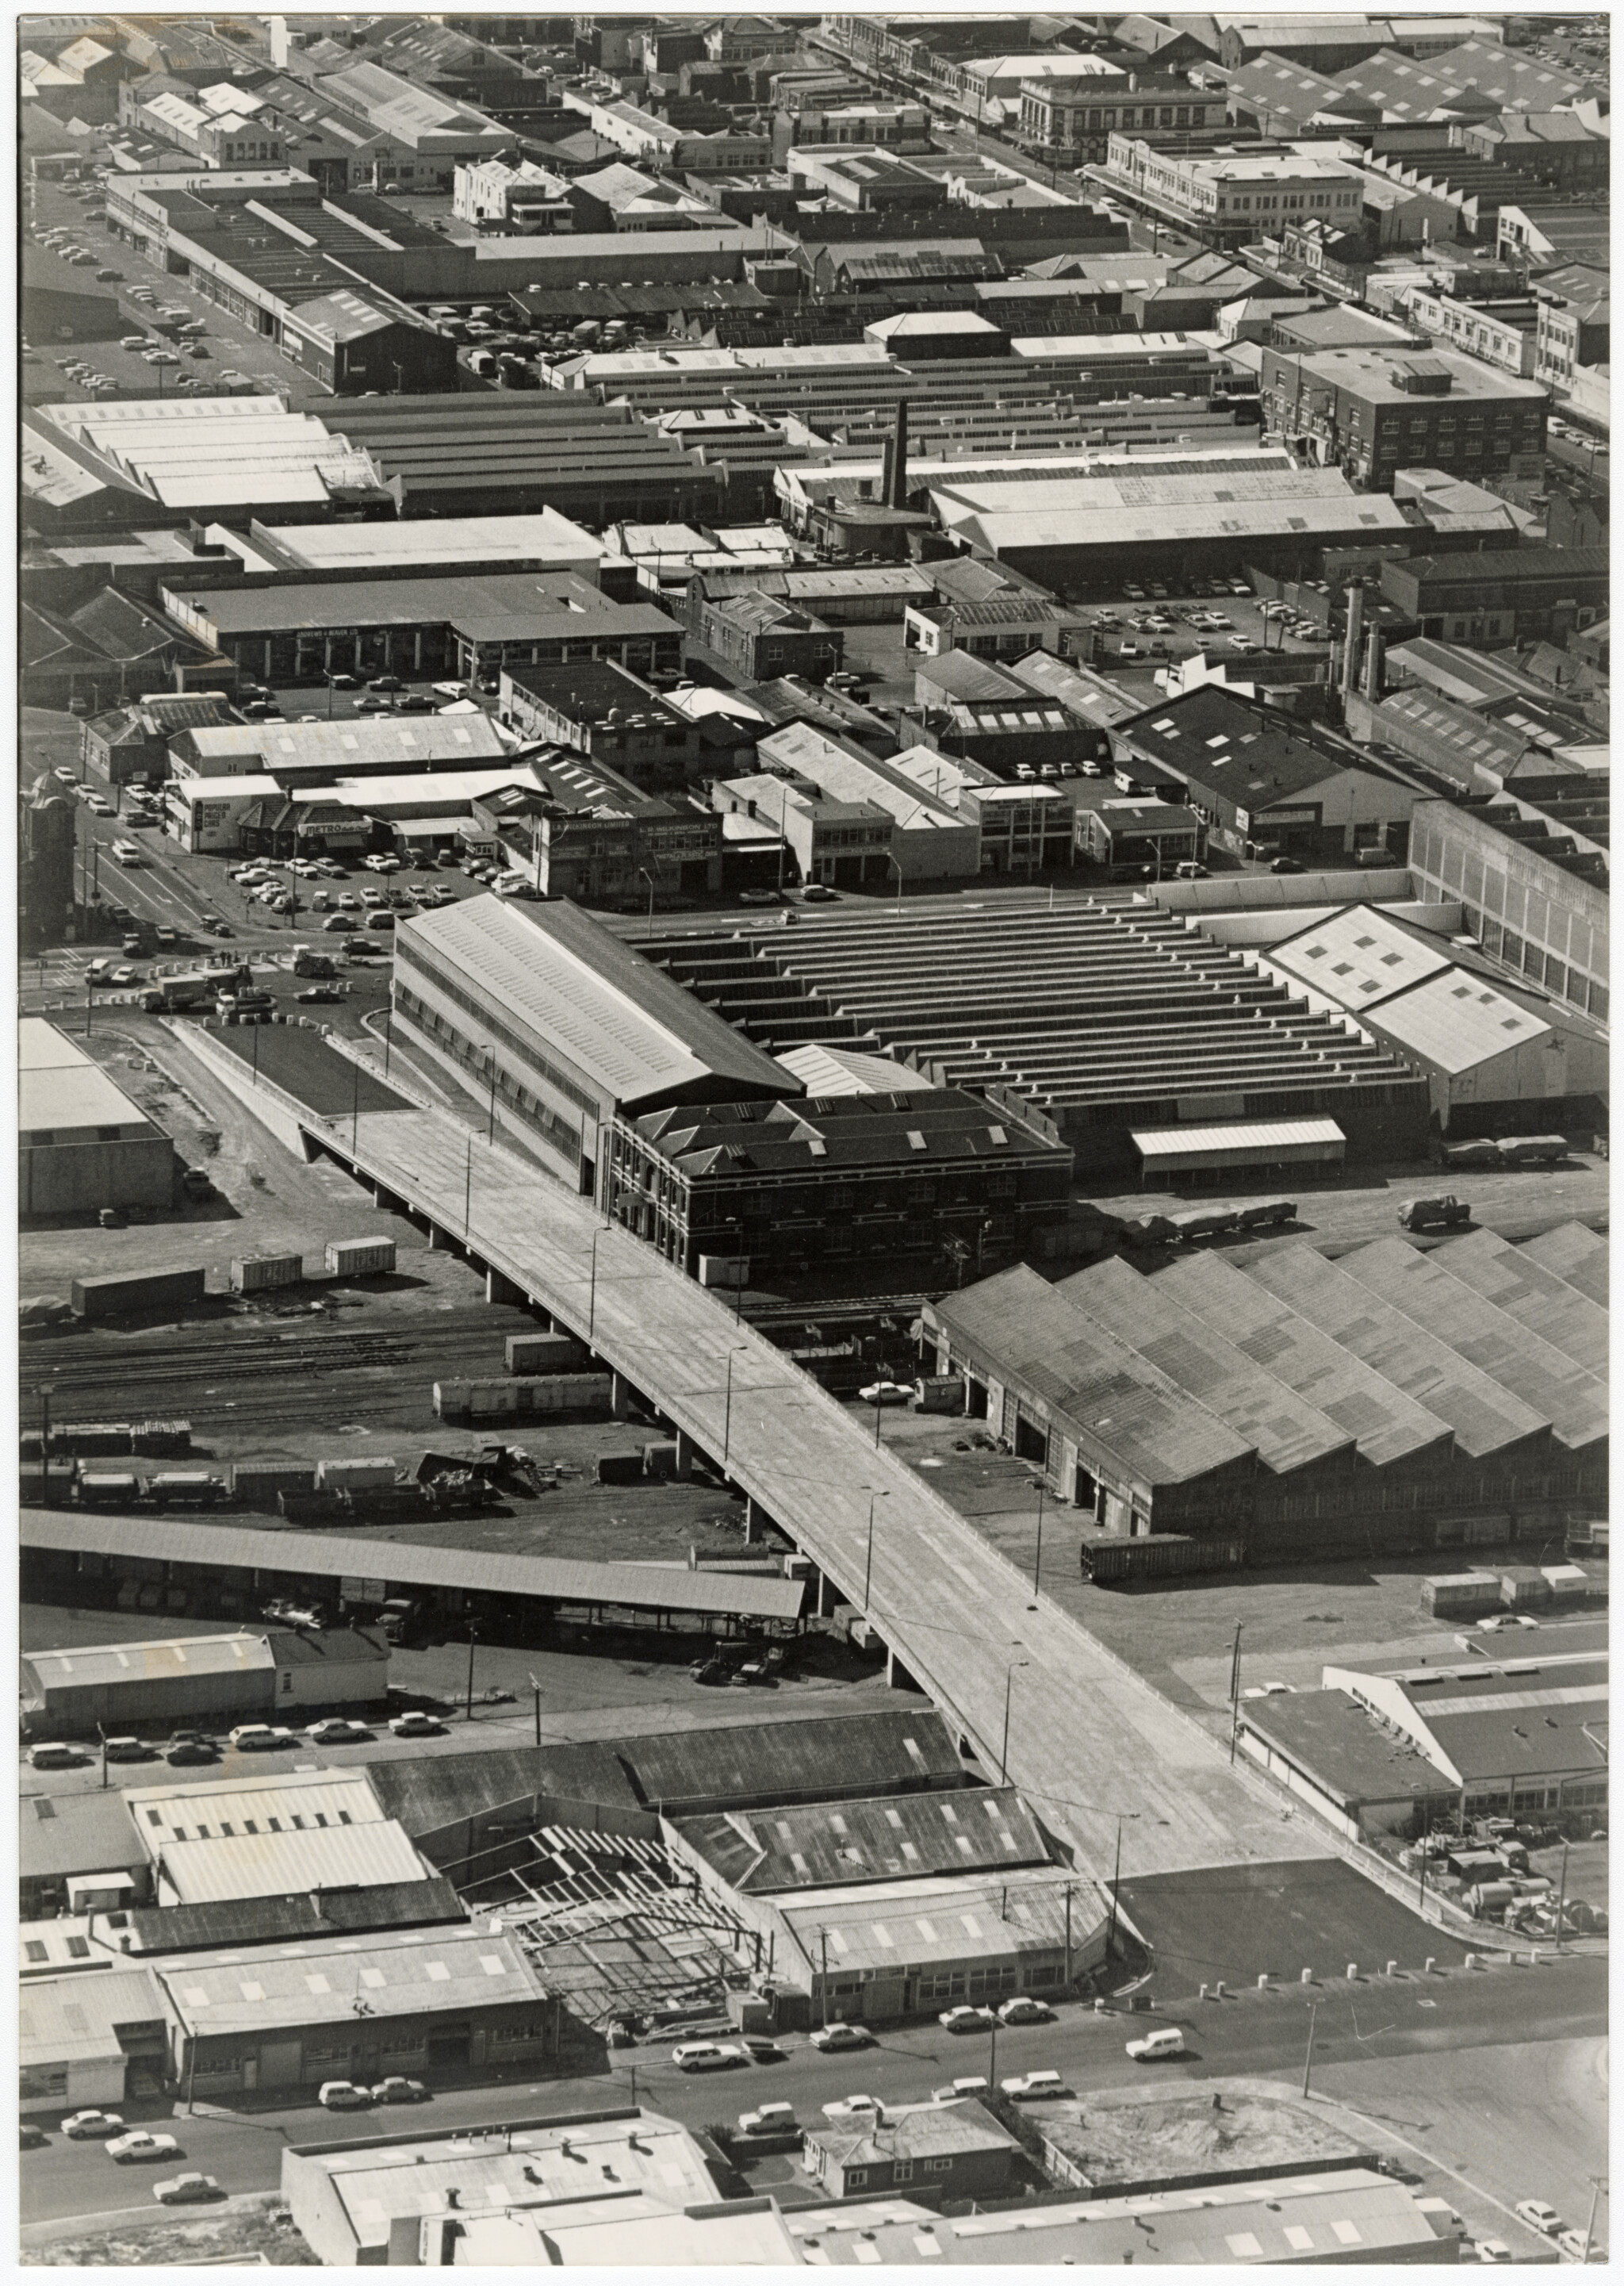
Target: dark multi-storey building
1371, 412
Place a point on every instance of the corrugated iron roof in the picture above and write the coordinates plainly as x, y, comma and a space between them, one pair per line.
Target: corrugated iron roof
287, 1919
90, 1665
1576, 1254
806, 1846
1156, 1143
892, 1924
646, 1586
1537, 1298
242, 1864
417, 1972
67, 2019
278, 1803
1095, 1383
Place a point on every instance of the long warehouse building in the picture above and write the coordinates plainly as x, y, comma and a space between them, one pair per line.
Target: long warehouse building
1307, 1408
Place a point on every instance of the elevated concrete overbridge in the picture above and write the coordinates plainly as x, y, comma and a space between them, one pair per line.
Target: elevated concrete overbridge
1031, 1689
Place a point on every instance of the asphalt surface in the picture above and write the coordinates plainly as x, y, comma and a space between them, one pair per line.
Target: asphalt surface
1381, 2024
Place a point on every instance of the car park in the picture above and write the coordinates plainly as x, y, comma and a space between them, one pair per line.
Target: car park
139, 2145
92, 2126
706, 2055
831, 2038
186, 2190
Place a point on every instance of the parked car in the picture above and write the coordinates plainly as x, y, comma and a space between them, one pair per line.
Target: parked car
126, 1750
966, 2020
831, 2038
415, 1725
1024, 2010
762, 2051
1486, 2250
186, 2190
1579, 2248
1030, 2086
1539, 2217
187, 1750
886, 1392
343, 2095
140, 2144
56, 1754
92, 2126
396, 2089
259, 1737
706, 2055
771, 2119
319, 994
854, 2107
337, 1730
29, 2136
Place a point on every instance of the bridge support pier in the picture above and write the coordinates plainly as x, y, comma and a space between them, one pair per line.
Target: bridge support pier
828, 1595
439, 1240
897, 1675
756, 1519
621, 1395
498, 1289
382, 1198
684, 1468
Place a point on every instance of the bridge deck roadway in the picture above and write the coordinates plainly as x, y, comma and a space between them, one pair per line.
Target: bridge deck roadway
1087, 1737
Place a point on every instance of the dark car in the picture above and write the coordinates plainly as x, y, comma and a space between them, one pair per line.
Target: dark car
384, 683
188, 1747
417, 702
320, 992
1285, 865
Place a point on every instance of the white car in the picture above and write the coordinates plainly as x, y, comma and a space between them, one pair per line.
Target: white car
1573, 2243
1268, 1691
138, 2144
772, 2120
343, 2095
415, 1725
1030, 2085
185, 2190
92, 2126
252, 1737
1487, 2250
886, 1392
1024, 2010
337, 1730
1539, 2217
855, 2106
956, 2090
831, 2038
966, 2020
706, 2055
54, 1755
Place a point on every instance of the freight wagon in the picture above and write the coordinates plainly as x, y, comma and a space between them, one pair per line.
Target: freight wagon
1158, 1555
124, 1292
1507, 1151
545, 1354
255, 1273
1193, 1223
532, 1400
91, 1439
359, 1258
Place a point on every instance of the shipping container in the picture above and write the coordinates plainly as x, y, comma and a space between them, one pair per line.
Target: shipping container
356, 1473
545, 1354
940, 1393
125, 1292
728, 1269
253, 1273
1522, 1585
1569, 1582
1157, 1555
1461, 1595
360, 1257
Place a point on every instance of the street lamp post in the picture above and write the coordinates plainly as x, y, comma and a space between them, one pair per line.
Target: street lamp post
467, 1185
1003, 1754
737, 1350
868, 1559
1313, 2010
1234, 1690
591, 1298
47, 1391
472, 1640
1124, 1817
1037, 1568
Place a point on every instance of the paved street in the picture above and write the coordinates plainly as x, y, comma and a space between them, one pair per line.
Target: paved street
1421, 2056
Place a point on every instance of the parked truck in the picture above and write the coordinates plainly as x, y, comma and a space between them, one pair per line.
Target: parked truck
1445, 1212
177, 993
308, 962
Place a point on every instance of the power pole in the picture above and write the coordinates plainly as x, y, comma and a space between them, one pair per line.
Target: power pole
1313, 2010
